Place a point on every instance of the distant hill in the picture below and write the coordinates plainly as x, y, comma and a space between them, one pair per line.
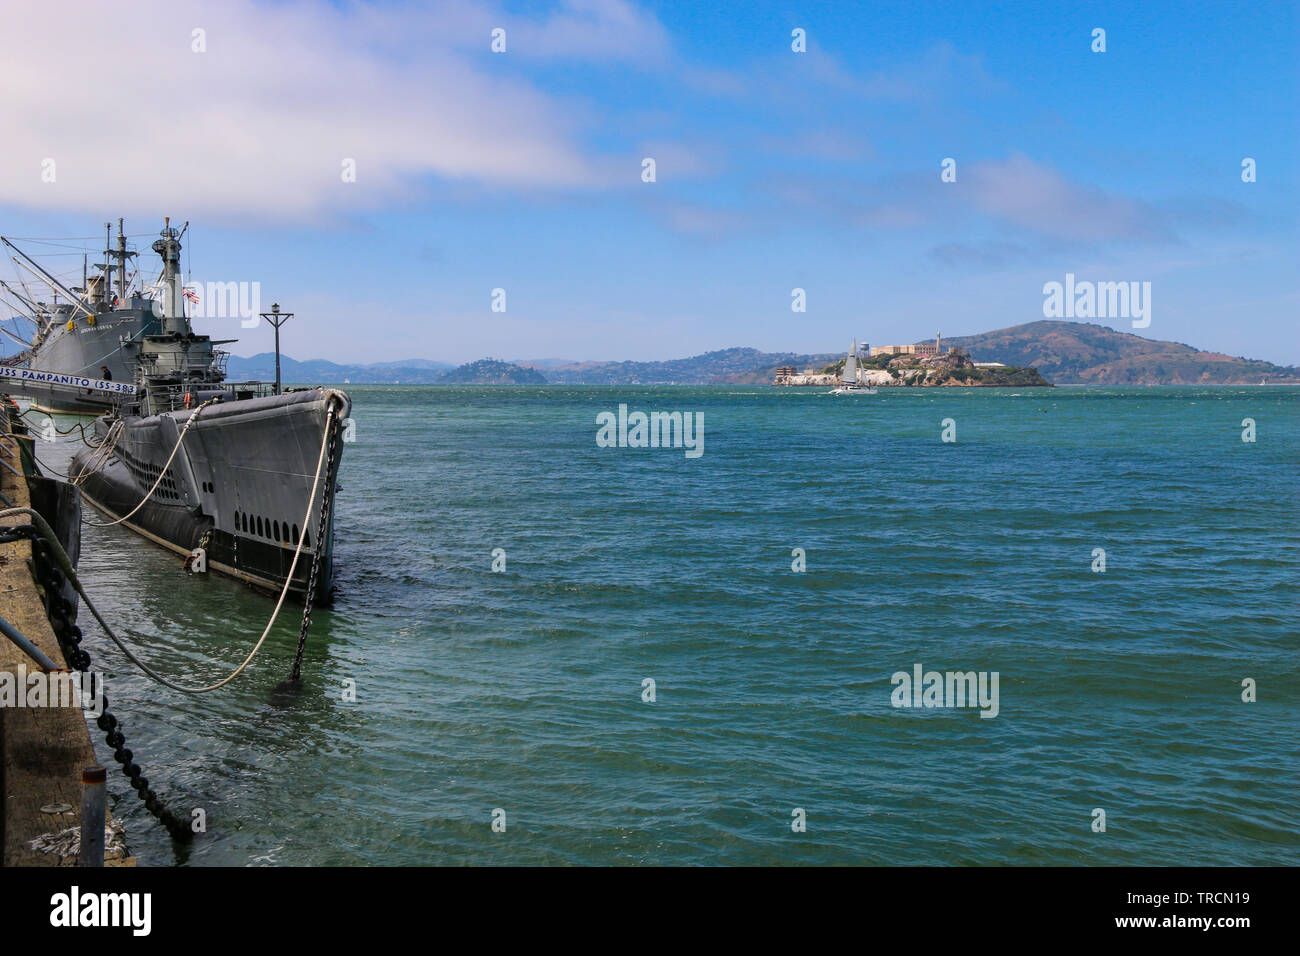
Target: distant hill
261, 367
491, 372
1082, 353
738, 366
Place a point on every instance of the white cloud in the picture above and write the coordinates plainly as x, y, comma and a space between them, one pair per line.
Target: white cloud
595, 29
258, 126
1037, 197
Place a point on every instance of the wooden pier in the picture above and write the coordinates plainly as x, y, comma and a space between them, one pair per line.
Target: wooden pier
43, 750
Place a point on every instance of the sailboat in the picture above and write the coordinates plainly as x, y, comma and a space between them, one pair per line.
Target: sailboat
851, 382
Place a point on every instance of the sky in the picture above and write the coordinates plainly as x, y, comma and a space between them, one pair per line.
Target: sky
775, 169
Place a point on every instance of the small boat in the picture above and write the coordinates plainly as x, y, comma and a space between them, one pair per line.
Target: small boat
851, 382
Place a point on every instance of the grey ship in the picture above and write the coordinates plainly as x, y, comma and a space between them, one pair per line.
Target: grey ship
89, 328
240, 479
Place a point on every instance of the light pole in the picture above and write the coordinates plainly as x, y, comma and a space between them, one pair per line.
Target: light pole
277, 319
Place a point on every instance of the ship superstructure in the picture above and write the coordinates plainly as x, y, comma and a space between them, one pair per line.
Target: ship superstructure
80, 329
199, 464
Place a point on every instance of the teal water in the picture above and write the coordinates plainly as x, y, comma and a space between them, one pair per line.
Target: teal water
522, 690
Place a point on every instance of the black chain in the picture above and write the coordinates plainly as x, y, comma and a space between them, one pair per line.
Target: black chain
322, 531
61, 613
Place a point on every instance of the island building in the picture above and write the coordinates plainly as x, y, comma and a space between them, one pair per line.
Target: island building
789, 375
924, 348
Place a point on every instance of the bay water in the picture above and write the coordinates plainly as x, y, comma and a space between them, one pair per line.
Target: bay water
522, 695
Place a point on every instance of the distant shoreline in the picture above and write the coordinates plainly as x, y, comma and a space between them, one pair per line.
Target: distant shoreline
1064, 353
781, 388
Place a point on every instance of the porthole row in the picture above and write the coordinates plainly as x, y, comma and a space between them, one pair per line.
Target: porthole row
281, 532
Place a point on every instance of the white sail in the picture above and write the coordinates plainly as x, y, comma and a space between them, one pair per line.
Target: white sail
850, 375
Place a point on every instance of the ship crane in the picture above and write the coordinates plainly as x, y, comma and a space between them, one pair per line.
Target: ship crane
54, 283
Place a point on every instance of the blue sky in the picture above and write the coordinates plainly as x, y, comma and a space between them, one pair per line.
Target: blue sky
775, 170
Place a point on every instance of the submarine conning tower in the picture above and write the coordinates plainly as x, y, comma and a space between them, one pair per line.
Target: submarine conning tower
169, 248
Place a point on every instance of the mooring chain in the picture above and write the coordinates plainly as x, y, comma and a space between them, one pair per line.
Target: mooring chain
322, 529
51, 575
59, 610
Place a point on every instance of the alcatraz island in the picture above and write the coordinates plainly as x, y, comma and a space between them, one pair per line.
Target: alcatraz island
924, 364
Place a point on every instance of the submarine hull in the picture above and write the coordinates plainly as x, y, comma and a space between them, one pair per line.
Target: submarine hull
238, 485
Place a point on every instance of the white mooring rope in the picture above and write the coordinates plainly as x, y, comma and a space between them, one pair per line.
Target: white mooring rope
81, 475
71, 572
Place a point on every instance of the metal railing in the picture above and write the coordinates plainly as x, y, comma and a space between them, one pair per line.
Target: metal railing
172, 397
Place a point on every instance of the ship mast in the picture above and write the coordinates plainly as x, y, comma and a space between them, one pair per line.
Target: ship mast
121, 254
